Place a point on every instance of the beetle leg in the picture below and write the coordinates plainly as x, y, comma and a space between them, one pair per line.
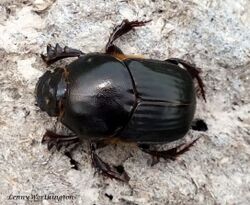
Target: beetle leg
116, 52
54, 140
57, 53
193, 71
116, 172
120, 30
166, 154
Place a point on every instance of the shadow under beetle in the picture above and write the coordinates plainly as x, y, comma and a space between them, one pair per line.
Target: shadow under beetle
112, 97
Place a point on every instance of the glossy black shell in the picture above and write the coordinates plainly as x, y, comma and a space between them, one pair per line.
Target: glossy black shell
100, 96
138, 100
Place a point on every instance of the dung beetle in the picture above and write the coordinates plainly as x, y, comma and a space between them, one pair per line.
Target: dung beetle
112, 97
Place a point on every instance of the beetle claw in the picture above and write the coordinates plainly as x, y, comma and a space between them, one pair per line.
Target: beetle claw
58, 146
57, 53
155, 160
58, 49
50, 145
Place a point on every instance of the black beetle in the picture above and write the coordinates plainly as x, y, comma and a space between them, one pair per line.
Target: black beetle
111, 97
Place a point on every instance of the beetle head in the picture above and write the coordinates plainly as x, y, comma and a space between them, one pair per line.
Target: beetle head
50, 90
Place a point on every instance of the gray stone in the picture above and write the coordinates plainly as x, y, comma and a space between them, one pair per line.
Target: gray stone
215, 35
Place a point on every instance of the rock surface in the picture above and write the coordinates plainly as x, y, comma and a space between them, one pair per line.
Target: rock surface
213, 34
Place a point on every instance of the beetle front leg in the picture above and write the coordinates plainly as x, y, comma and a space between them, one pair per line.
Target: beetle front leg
193, 71
116, 172
54, 140
57, 53
166, 154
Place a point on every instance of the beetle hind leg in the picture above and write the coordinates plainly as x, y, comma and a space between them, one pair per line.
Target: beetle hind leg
193, 71
116, 172
166, 154
57, 53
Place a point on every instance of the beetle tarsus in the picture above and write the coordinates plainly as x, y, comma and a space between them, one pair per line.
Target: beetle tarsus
57, 53
120, 30
193, 71
113, 172
167, 154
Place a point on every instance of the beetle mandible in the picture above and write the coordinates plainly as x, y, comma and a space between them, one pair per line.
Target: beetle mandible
112, 97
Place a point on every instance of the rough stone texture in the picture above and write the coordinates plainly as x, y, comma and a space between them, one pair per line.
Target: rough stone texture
213, 34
